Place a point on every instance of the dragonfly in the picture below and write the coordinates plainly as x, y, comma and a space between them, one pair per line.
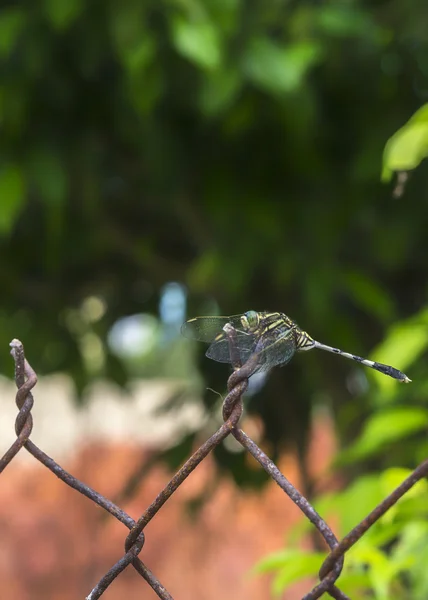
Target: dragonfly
273, 336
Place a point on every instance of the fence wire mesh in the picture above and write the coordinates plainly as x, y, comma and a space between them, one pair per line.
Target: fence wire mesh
330, 571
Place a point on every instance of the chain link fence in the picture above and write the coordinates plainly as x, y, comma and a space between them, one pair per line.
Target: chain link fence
330, 571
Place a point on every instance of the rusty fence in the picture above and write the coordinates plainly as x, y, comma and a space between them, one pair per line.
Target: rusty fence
329, 573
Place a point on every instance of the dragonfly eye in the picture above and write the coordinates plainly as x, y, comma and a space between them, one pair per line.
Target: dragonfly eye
250, 320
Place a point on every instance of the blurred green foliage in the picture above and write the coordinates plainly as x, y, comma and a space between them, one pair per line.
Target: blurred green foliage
234, 147
387, 562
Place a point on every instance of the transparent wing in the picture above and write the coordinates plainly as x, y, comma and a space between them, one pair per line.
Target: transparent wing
206, 329
220, 351
275, 347
275, 350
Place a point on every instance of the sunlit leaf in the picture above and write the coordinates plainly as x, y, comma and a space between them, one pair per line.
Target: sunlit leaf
380, 570
393, 477
274, 561
279, 69
298, 565
354, 503
413, 547
403, 344
408, 146
385, 427
355, 583
346, 21
385, 532
197, 40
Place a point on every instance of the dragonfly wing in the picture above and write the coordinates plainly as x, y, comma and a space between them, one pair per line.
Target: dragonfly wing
206, 329
273, 350
274, 340
279, 350
220, 350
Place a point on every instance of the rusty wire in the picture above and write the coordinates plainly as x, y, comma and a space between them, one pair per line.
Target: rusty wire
329, 573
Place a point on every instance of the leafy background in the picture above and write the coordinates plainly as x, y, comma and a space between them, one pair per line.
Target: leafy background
235, 149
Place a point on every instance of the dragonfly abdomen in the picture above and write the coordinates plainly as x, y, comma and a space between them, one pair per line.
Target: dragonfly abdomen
303, 340
385, 369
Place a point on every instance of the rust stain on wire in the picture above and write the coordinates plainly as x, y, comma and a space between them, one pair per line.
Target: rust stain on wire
331, 569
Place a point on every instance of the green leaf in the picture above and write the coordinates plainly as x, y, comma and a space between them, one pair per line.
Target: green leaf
198, 40
62, 13
298, 565
12, 21
355, 583
403, 344
12, 195
413, 543
346, 21
385, 427
292, 565
273, 562
369, 295
386, 530
392, 478
279, 69
379, 568
408, 146
354, 503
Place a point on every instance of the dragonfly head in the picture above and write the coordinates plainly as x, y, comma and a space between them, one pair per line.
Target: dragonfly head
250, 320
